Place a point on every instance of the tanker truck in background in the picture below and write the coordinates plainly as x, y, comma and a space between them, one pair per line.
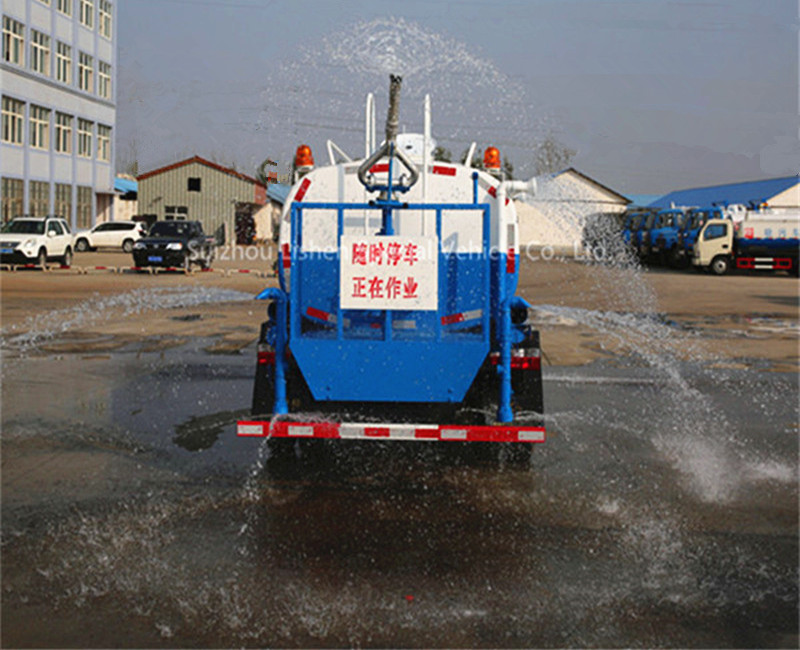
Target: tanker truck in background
758, 243
396, 316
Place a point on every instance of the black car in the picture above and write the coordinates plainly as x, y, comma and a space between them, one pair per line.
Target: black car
176, 244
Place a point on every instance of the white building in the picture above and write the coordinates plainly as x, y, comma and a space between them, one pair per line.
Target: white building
58, 86
563, 203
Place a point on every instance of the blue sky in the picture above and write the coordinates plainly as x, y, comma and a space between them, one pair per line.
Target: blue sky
654, 95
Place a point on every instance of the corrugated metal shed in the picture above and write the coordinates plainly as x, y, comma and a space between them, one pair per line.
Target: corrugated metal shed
223, 199
753, 192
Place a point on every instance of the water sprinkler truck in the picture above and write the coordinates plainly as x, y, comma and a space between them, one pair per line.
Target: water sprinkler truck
758, 244
396, 317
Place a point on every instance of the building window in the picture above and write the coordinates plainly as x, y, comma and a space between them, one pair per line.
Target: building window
84, 205
104, 19
40, 127
87, 13
63, 133
85, 138
194, 185
104, 142
176, 212
65, 7
13, 193
63, 63
13, 116
85, 65
104, 80
63, 203
13, 40
39, 198
40, 52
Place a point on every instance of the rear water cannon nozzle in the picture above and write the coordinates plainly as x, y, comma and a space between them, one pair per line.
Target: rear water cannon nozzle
393, 114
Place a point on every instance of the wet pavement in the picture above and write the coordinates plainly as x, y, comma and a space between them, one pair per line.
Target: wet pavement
662, 511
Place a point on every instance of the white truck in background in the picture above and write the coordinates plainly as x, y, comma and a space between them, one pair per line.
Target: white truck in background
755, 243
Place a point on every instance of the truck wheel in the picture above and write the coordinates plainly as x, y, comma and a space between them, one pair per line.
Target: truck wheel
676, 260
81, 245
127, 246
517, 454
720, 265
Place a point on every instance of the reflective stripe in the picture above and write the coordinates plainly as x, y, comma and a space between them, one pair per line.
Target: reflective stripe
301, 191
323, 315
405, 324
531, 435
764, 263
320, 315
454, 434
511, 261
493, 192
245, 429
420, 432
462, 316
444, 171
300, 431
287, 256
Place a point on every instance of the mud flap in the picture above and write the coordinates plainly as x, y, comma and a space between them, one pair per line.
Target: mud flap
264, 385
526, 380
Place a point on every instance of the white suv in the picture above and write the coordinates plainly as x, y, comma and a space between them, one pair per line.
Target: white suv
36, 240
111, 234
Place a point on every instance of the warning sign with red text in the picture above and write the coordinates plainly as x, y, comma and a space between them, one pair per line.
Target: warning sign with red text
392, 272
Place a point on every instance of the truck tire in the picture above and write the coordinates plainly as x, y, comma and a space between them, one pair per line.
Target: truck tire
676, 260
720, 265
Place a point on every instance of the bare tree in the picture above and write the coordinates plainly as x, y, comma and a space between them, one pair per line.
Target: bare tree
129, 161
551, 156
262, 173
442, 155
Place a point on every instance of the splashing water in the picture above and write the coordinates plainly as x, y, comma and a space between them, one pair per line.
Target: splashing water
34, 331
472, 99
145, 552
695, 435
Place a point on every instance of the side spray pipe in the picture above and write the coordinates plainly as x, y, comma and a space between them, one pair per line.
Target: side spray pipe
507, 189
281, 406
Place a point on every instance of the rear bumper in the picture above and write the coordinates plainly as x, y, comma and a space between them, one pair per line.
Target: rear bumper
373, 431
